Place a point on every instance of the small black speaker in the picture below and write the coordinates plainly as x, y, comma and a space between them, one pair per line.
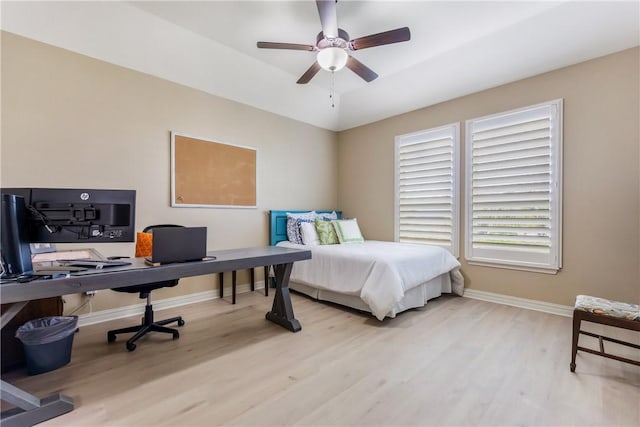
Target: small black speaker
16, 254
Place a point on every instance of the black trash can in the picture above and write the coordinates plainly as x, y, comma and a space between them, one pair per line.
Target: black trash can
47, 342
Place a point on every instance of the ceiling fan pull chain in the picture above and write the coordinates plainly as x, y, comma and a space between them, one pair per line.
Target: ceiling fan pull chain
331, 90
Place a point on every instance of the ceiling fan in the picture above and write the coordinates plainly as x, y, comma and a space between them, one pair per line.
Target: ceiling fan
333, 43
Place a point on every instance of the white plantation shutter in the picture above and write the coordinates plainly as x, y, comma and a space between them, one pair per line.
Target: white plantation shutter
513, 188
427, 187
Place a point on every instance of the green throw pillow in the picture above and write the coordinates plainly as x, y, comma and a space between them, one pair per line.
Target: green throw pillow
326, 233
348, 231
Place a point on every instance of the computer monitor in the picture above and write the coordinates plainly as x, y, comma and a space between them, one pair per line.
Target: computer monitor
71, 215
16, 255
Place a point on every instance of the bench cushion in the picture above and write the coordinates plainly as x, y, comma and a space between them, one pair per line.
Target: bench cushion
607, 307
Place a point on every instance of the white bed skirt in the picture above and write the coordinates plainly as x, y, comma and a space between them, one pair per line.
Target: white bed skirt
413, 298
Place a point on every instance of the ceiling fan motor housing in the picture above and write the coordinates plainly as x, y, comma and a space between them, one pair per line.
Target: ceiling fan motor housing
342, 41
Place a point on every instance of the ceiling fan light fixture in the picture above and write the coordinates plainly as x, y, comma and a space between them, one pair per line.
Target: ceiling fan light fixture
332, 58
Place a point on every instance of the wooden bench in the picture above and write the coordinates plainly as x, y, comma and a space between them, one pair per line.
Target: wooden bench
233, 283
606, 312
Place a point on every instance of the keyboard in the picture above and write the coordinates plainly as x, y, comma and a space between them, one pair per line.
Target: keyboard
95, 263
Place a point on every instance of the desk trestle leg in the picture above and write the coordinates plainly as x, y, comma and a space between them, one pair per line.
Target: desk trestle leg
29, 409
282, 310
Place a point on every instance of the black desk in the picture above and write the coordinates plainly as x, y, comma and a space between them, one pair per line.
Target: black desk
31, 410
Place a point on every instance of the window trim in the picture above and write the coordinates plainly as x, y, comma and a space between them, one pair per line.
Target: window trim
555, 262
419, 136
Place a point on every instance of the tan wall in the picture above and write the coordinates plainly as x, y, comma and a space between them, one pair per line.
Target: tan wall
601, 228
72, 121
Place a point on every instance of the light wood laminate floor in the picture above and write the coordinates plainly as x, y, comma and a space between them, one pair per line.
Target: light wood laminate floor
457, 361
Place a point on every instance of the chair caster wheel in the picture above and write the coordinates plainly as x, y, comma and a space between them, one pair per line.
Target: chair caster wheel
180, 322
176, 335
111, 337
131, 346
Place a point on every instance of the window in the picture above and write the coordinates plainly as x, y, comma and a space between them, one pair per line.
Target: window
426, 187
513, 188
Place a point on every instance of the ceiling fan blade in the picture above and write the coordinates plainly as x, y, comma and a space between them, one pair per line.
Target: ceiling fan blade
360, 69
308, 75
328, 17
392, 36
292, 46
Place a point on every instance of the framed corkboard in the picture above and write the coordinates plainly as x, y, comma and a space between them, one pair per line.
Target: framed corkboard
207, 173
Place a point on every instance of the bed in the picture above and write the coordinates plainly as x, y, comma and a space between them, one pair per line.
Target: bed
383, 278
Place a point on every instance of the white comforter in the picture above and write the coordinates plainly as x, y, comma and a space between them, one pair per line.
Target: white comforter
379, 272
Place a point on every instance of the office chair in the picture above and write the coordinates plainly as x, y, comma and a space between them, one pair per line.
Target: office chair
147, 324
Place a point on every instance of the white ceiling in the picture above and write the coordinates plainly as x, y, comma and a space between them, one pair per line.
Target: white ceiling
456, 48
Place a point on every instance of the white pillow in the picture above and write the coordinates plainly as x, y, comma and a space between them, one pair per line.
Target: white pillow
309, 234
348, 231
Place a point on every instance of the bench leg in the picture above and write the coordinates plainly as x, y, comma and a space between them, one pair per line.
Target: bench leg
233, 287
221, 281
266, 280
577, 319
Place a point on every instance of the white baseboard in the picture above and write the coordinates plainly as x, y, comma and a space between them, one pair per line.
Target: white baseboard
546, 307
138, 309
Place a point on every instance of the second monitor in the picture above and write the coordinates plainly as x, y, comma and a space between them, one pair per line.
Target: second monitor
71, 215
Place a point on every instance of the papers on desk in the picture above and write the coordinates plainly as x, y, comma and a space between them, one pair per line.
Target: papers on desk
71, 254
75, 260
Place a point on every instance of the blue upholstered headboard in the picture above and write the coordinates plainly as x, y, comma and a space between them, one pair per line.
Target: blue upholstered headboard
278, 224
